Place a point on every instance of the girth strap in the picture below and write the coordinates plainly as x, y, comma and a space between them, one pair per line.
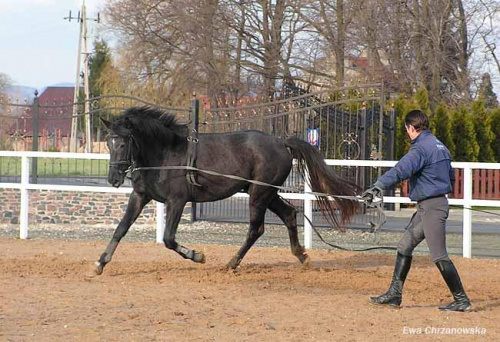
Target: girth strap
191, 157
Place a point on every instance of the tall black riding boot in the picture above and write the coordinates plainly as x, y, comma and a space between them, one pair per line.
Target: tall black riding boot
450, 276
393, 296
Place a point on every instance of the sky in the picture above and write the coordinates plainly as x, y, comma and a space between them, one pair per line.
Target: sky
38, 48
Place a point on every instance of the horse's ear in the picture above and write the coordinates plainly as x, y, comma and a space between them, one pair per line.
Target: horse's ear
128, 123
106, 123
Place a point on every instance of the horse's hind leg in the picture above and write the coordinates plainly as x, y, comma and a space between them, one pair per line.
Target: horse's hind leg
135, 205
256, 229
288, 214
174, 214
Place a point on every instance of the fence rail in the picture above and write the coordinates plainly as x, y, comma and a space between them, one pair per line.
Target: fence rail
486, 184
467, 184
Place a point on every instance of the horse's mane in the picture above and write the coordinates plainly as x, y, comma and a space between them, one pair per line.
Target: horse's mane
150, 124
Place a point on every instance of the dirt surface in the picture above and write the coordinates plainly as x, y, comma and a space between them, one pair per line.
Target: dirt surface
48, 293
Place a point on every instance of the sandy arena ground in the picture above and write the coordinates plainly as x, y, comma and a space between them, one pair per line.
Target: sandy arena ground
48, 293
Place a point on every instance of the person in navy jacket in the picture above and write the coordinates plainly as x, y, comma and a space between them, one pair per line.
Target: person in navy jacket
428, 167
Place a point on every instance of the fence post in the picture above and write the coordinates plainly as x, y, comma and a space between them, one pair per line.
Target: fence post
160, 221
364, 144
467, 213
308, 212
392, 136
194, 124
23, 215
36, 126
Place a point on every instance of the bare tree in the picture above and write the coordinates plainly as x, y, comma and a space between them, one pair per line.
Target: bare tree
6, 120
5, 82
171, 44
225, 48
262, 31
484, 29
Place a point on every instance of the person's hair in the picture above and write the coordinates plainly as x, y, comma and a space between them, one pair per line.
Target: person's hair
417, 119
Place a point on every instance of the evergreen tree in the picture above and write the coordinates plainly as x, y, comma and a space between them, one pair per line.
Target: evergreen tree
441, 127
486, 92
484, 135
422, 99
402, 107
495, 128
98, 62
464, 136
111, 82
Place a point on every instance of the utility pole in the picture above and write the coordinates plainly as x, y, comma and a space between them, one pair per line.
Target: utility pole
82, 43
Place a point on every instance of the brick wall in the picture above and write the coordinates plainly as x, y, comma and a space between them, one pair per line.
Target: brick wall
68, 207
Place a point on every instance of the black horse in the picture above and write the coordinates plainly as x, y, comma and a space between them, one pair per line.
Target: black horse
152, 144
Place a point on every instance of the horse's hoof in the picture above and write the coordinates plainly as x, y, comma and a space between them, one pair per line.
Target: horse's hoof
232, 264
99, 269
304, 259
199, 257
224, 268
230, 269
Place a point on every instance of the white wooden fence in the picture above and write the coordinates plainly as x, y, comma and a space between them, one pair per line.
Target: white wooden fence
467, 202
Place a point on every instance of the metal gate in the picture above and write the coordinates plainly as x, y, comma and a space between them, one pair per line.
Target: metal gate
44, 125
345, 123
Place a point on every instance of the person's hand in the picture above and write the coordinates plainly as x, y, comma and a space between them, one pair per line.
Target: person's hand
371, 193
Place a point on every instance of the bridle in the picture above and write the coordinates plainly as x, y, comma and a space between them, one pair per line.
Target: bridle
129, 158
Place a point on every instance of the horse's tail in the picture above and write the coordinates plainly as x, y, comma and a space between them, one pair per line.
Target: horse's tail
323, 179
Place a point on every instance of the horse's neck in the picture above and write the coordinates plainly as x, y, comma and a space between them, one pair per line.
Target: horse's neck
156, 156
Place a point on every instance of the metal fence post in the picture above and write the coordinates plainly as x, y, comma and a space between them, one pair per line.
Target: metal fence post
195, 123
364, 144
392, 135
36, 126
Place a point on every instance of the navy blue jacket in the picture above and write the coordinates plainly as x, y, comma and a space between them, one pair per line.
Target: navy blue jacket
428, 166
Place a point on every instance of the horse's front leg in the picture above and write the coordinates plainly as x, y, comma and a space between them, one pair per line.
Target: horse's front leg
173, 217
135, 205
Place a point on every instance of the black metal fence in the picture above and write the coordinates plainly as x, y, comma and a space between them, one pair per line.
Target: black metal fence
345, 123
47, 124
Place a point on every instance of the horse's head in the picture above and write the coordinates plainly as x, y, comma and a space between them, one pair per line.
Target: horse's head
138, 138
120, 149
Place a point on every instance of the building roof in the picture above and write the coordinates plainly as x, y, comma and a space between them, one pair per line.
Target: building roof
56, 109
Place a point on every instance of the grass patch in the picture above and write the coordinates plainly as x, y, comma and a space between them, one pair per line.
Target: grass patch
57, 167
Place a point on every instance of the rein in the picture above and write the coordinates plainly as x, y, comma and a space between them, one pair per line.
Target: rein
191, 170
376, 204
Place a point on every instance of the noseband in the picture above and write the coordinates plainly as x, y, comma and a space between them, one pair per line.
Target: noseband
129, 161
